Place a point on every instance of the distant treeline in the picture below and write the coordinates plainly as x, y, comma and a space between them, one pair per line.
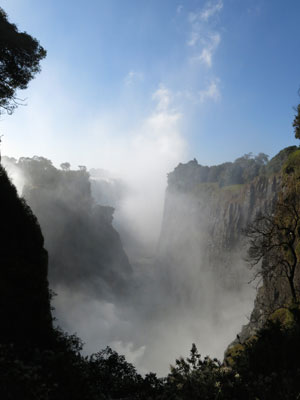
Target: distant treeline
243, 170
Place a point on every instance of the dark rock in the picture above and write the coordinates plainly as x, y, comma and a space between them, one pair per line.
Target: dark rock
24, 296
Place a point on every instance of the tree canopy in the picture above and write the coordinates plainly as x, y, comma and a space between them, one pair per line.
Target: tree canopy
20, 56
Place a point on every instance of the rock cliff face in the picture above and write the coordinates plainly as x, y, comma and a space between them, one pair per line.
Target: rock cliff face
85, 251
24, 296
205, 221
202, 239
275, 291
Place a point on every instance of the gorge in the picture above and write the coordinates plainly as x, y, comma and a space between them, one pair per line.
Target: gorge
198, 273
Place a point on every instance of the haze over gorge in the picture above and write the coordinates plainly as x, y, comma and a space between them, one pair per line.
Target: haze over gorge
148, 302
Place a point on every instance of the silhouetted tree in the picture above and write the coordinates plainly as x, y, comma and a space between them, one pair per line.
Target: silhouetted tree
115, 377
274, 237
20, 56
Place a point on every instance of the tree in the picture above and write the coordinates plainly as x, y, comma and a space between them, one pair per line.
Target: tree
274, 239
20, 56
116, 378
197, 378
65, 166
261, 159
296, 123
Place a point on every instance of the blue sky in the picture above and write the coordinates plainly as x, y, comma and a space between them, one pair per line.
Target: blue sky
214, 79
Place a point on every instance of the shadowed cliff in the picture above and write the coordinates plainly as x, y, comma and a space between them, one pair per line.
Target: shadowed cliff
85, 250
24, 296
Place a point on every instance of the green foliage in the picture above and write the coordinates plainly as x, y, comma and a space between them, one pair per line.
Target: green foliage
233, 188
292, 165
274, 166
20, 56
284, 316
296, 123
242, 170
232, 352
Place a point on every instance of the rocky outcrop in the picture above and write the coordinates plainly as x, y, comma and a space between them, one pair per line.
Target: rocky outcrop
85, 250
202, 247
24, 296
207, 221
275, 291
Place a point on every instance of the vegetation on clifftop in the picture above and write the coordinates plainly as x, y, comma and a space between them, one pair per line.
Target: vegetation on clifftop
245, 169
